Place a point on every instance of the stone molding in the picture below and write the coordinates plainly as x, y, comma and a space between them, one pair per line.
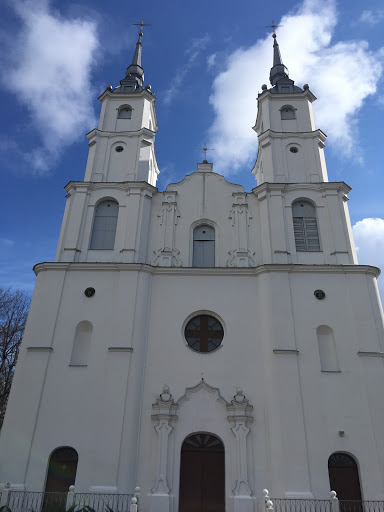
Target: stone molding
250, 271
239, 415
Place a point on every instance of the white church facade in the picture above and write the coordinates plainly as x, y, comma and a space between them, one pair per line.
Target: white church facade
202, 343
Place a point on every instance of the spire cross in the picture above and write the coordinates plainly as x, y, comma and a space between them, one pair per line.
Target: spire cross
205, 149
141, 25
273, 27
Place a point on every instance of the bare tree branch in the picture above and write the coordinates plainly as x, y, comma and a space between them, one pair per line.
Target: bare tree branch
14, 305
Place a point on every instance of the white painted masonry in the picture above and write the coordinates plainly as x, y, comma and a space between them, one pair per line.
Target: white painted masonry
140, 390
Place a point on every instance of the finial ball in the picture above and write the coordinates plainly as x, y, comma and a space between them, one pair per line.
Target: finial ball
306, 87
264, 87
148, 87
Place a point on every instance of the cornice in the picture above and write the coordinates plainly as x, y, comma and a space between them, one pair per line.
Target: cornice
126, 95
216, 271
136, 133
86, 186
321, 186
286, 135
306, 93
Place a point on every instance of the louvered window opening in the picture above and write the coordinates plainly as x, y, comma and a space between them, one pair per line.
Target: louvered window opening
305, 227
203, 246
104, 226
306, 234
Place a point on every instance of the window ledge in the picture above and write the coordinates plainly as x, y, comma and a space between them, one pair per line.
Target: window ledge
120, 349
78, 365
289, 352
40, 349
330, 371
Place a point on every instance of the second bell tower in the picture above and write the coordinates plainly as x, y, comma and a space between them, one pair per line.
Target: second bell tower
290, 146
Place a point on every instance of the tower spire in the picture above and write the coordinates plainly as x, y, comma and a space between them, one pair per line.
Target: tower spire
134, 75
278, 69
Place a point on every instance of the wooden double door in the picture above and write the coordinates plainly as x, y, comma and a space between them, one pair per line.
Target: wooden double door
202, 474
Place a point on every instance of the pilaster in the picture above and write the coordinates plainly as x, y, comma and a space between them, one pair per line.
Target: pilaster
239, 416
164, 410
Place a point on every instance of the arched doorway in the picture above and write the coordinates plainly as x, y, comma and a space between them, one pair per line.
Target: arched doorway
344, 476
61, 469
202, 474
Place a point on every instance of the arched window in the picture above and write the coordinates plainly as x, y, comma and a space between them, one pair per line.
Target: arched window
287, 112
62, 469
104, 225
344, 477
327, 349
305, 226
125, 112
203, 246
81, 344
202, 474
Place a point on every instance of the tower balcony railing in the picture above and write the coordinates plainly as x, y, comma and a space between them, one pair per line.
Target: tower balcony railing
72, 501
333, 504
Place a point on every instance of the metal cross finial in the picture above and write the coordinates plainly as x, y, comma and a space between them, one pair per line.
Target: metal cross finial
273, 27
205, 149
141, 25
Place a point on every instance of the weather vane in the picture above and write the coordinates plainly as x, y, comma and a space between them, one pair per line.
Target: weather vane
141, 25
273, 27
205, 149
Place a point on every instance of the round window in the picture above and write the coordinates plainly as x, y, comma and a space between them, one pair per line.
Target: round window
119, 149
293, 149
204, 333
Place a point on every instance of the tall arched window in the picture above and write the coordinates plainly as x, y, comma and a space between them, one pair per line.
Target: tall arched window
327, 349
344, 477
125, 112
287, 112
62, 469
203, 246
305, 226
81, 343
104, 225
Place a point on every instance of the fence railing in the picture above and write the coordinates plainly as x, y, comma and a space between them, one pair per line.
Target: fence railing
27, 501
333, 504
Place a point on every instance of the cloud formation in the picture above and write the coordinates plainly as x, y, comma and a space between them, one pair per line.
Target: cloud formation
369, 239
48, 65
191, 54
343, 75
372, 17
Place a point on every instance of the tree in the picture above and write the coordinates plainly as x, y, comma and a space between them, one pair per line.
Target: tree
14, 305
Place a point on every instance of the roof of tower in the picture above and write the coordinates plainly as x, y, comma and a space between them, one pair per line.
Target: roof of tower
134, 75
279, 75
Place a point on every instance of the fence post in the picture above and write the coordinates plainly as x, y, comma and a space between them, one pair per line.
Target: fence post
70, 497
133, 506
268, 504
5, 495
334, 502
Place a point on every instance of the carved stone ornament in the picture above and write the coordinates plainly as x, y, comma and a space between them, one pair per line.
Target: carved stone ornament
240, 418
164, 413
241, 258
240, 220
166, 257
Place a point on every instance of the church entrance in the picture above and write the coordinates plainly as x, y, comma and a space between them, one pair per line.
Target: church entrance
202, 486
344, 478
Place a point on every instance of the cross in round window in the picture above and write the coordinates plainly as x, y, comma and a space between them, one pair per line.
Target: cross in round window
204, 333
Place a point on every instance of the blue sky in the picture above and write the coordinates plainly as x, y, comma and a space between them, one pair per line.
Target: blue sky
206, 62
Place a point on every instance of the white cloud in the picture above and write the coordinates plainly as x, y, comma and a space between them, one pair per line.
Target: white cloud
6, 242
372, 17
342, 75
369, 239
211, 60
194, 50
48, 65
